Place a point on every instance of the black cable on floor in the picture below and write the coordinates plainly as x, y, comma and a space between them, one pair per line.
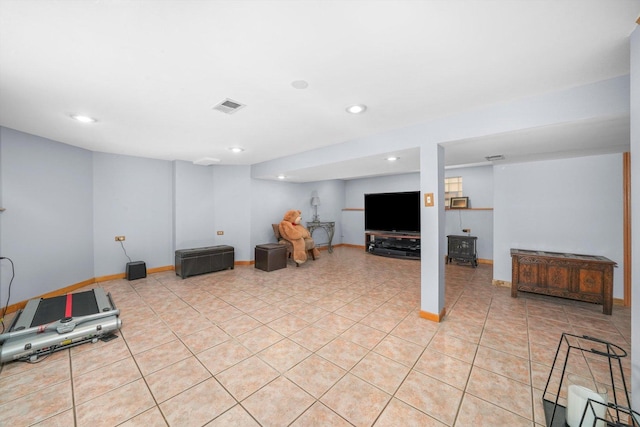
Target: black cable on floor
6, 306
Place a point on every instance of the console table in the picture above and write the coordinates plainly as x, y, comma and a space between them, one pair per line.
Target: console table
328, 226
580, 277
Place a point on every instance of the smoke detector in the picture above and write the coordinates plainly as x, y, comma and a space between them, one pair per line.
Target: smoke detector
206, 161
228, 106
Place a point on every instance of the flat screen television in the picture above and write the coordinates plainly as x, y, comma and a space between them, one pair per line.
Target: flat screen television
392, 212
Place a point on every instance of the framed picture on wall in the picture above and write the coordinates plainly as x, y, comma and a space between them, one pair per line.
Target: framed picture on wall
459, 203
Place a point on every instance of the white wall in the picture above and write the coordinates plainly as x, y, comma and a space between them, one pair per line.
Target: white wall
571, 205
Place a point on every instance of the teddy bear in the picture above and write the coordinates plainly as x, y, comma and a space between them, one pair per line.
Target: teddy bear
291, 230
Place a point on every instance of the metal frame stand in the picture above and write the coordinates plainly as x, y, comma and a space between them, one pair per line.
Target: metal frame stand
617, 415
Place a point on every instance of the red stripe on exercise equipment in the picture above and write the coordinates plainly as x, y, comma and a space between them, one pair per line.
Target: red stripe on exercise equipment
67, 310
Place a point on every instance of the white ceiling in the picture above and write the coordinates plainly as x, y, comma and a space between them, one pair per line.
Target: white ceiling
151, 72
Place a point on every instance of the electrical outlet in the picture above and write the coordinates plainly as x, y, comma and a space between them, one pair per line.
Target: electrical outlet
220, 233
119, 238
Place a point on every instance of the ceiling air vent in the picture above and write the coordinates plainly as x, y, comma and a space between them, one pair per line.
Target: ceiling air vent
228, 106
494, 158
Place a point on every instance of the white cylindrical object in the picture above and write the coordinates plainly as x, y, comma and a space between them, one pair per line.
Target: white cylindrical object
577, 398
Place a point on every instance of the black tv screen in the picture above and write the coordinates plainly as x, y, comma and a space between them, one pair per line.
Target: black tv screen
394, 212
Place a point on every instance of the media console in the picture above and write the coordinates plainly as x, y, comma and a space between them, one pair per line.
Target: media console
393, 245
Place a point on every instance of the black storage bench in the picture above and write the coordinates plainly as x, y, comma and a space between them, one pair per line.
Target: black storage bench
271, 256
190, 262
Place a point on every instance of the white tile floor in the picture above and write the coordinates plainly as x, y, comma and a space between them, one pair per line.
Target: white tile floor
335, 342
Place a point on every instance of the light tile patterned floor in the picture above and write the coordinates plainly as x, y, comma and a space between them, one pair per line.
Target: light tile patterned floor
335, 342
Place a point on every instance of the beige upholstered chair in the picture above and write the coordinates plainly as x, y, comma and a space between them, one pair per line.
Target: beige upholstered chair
308, 244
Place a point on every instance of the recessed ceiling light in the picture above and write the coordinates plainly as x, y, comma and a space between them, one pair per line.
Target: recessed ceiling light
300, 84
356, 109
281, 177
236, 149
83, 119
392, 158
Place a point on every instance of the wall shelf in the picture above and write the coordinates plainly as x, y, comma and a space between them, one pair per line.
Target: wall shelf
469, 209
446, 209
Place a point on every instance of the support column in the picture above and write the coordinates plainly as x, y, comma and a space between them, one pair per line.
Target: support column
432, 232
635, 217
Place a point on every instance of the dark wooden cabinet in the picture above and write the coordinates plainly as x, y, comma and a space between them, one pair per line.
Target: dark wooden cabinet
580, 277
462, 248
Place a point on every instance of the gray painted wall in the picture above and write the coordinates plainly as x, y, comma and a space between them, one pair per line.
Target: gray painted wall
477, 184
47, 229
132, 198
232, 195
331, 194
570, 205
272, 199
353, 221
635, 226
193, 205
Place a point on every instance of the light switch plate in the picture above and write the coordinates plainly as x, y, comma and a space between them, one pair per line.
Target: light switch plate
428, 199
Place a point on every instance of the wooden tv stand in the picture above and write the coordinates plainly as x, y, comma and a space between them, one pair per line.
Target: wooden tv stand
394, 245
580, 277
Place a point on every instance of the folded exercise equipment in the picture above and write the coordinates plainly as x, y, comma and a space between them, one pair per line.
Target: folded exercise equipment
47, 325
